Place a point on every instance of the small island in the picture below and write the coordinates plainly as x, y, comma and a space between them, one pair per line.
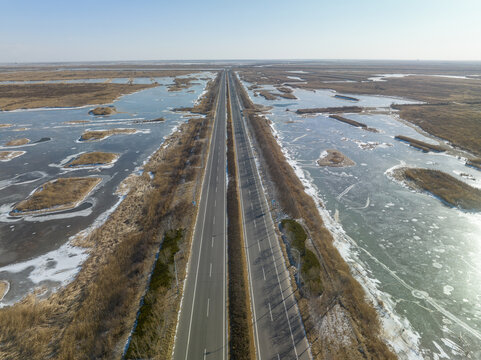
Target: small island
57, 195
103, 111
96, 158
97, 135
18, 142
9, 155
449, 190
334, 158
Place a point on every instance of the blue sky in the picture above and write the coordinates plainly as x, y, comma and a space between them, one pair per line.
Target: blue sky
47, 30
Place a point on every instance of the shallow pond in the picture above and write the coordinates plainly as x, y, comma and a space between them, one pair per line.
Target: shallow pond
420, 257
34, 250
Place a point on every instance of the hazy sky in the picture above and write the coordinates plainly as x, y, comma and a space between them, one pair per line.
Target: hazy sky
69, 30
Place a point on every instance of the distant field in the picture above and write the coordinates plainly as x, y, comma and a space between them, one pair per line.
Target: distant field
29, 96
452, 108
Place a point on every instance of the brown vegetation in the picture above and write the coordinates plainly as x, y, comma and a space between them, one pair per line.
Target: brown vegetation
241, 337
453, 106
332, 110
335, 158
28, 96
17, 142
181, 84
103, 110
55, 195
5, 125
93, 158
91, 317
352, 122
93, 135
4, 286
268, 95
421, 145
448, 189
340, 289
344, 97
458, 123
9, 155
474, 162
45, 75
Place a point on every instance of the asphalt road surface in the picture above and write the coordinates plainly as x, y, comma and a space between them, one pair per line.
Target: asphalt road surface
278, 329
202, 328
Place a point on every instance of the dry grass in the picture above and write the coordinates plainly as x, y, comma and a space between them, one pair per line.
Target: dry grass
332, 110
241, 337
421, 145
339, 285
29, 96
59, 194
448, 189
18, 142
474, 162
5, 125
93, 158
103, 110
9, 155
181, 84
268, 95
42, 75
458, 123
95, 135
4, 286
352, 122
335, 158
453, 106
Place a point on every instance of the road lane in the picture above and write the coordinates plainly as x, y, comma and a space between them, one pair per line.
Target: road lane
279, 332
202, 329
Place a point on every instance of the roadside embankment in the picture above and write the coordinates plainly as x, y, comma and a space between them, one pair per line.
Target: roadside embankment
341, 323
93, 315
241, 337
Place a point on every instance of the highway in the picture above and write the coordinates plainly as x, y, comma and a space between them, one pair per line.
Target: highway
278, 329
202, 328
